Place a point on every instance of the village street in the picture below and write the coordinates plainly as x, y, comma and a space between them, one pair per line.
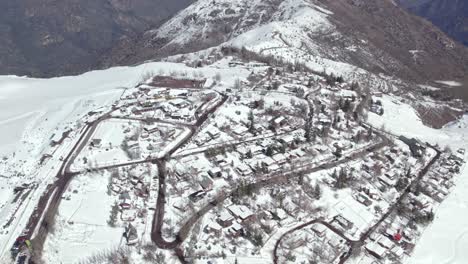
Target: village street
356, 244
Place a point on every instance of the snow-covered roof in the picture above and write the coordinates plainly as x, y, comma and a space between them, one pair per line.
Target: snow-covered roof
376, 249
243, 167
279, 157
177, 92
215, 226
268, 161
241, 211
225, 216
385, 242
239, 130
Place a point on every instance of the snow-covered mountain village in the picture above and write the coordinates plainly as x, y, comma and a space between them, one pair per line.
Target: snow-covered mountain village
253, 151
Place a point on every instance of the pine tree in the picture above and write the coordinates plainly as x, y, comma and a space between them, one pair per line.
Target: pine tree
317, 191
251, 123
269, 151
309, 135
113, 215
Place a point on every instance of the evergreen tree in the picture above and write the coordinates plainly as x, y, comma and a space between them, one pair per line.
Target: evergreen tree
251, 122
269, 151
317, 191
309, 134
113, 215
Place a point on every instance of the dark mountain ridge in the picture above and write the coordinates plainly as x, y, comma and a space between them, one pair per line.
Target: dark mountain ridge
56, 37
449, 15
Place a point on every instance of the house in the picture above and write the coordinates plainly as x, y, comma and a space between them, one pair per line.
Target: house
269, 165
178, 93
206, 183
179, 103
343, 222
243, 169
289, 141
225, 219
279, 158
128, 215
215, 172
324, 120
298, 153
398, 252
240, 130
96, 142
278, 121
256, 150
363, 199
386, 242
319, 229
213, 133
376, 250
235, 230
280, 214
335, 242
241, 212
115, 188
221, 160
243, 151
213, 227
438, 196
385, 179
421, 201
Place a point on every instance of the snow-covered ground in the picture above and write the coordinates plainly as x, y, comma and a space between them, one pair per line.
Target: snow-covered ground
32, 109
80, 226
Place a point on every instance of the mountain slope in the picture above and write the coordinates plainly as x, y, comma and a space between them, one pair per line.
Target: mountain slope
449, 15
376, 36
48, 37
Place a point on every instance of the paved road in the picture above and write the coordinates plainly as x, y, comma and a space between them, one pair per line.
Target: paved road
265, 180
315, 221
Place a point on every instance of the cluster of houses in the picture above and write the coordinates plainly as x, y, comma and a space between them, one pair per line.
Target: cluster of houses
232, 219
266, 155
395, 239
398, 237
168, 97
131, 187
438, 183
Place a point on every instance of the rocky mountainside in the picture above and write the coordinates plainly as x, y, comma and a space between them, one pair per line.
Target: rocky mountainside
348, 36
50, 37
449, 15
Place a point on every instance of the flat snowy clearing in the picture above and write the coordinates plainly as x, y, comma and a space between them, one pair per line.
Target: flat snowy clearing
80, 226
